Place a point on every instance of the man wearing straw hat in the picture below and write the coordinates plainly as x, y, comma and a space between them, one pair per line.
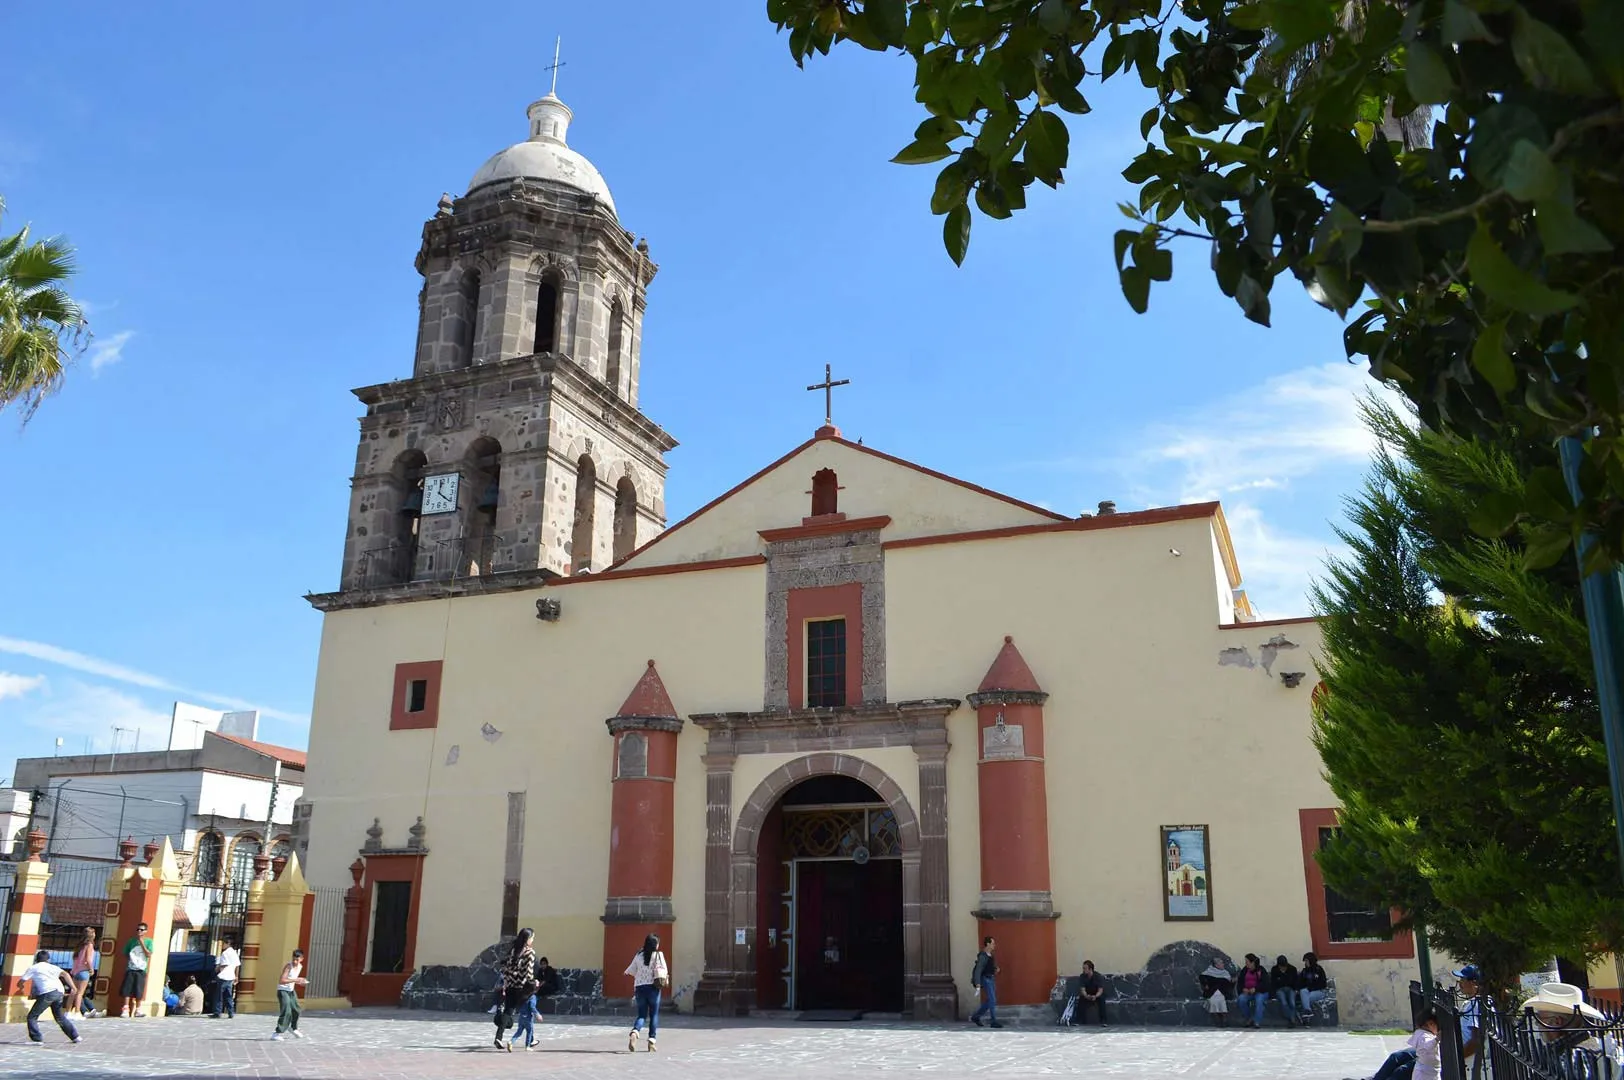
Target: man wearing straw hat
1564, 1018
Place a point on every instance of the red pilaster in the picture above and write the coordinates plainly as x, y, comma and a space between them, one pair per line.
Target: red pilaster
641, 828
1017, 906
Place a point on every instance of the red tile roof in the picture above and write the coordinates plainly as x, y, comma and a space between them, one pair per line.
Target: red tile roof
286, 755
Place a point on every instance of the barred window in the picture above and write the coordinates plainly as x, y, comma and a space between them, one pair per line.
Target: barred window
826, 663
1350, 920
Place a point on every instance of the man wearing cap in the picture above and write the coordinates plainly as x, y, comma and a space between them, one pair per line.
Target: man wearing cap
1311, 987
1471, 1016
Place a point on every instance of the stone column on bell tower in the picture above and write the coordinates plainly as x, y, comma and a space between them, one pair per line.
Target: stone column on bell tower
642, 828
1017, 906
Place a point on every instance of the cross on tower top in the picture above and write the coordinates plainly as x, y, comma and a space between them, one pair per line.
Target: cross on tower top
555, 65
828, 387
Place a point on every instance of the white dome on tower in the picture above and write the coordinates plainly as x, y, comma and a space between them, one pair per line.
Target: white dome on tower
545, 156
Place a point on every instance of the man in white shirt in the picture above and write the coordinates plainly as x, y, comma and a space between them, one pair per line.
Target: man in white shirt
46, 984
226, 966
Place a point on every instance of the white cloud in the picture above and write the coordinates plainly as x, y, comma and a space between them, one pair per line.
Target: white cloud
91, 665
109, 350
1291, 426
101, 717
17, 685
1279, 564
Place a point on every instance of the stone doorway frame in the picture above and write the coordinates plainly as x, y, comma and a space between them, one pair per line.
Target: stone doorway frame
728, 985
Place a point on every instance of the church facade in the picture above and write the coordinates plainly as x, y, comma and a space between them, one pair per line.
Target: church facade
824, 734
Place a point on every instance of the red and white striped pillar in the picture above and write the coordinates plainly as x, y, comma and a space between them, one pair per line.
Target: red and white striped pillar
1017, 906
641, 828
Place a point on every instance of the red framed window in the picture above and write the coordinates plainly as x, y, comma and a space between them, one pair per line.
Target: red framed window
825, 646
1340, 928
416, 698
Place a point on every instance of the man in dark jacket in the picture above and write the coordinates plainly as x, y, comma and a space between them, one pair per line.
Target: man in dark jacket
1284, 982
546, 978
1090, 991
1311, 983
984, 978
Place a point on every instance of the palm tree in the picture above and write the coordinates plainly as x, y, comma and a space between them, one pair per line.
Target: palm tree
41, 327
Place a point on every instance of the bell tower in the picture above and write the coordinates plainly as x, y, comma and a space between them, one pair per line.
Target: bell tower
517, 443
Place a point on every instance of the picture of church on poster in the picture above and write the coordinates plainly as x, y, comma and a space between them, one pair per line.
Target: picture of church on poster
1187, 872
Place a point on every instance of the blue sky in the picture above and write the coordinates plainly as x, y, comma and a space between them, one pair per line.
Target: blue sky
246, 186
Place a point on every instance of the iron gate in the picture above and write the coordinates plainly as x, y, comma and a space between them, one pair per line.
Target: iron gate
326, 940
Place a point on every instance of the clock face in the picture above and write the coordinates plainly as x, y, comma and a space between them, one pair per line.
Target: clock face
440, 493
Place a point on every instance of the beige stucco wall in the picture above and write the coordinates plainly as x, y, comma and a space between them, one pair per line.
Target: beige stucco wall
1144, 728
917, 503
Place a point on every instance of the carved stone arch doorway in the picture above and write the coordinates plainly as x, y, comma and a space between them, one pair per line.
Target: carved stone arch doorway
732, 932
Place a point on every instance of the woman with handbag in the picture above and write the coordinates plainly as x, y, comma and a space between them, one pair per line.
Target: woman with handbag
650, 977
518, 983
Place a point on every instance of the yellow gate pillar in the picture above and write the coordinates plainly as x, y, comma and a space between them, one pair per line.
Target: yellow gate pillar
139, 894
275, 924
20, 925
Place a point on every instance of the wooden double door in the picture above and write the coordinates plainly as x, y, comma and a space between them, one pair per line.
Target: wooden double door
847, 939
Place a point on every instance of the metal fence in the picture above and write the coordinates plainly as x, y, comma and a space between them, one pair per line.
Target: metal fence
1522, 1043
326, 940
75, 897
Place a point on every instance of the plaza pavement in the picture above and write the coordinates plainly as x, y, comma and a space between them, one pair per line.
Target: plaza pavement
392, 1044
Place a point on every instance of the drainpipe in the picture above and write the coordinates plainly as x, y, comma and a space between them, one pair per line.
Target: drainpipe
1604, 615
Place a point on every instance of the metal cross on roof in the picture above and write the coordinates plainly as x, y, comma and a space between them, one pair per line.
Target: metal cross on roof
555, 65
828, 387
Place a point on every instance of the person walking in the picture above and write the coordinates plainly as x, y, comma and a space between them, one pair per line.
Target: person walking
47, 985
1284, 983
226, 966
650, 976
287, 996
984, 981
84, 973
518, 983
1311, 982
137, 955
1252, 991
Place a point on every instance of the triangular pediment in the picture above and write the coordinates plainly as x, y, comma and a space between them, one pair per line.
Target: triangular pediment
916, 500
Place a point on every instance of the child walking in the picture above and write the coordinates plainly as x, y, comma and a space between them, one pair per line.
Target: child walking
287, 997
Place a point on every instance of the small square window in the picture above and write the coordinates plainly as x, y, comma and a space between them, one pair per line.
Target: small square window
416, 699
826, 663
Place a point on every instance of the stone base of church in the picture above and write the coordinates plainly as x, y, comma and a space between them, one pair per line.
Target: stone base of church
471, 988
722, 995
936, 1000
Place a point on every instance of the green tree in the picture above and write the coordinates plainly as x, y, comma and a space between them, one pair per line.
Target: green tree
1482, 270
1460, 730
40, 325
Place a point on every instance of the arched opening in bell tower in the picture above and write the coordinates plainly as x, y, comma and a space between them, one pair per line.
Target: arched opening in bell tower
485, 485
829, 900
617, 316
586, 502
625, 518
468, 290
548, 295
397, 562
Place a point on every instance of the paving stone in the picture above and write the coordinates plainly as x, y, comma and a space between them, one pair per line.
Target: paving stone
402, 1045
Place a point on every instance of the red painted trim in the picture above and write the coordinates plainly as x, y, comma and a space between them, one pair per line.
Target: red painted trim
735, 489
827, 527
405, 675
828, 602
653, 571
1402, 945
1158, 516
1269, 622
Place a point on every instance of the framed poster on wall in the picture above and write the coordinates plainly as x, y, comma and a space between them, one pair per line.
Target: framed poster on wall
1187, 873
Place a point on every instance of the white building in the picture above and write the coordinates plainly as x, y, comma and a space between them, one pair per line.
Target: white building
220, 796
